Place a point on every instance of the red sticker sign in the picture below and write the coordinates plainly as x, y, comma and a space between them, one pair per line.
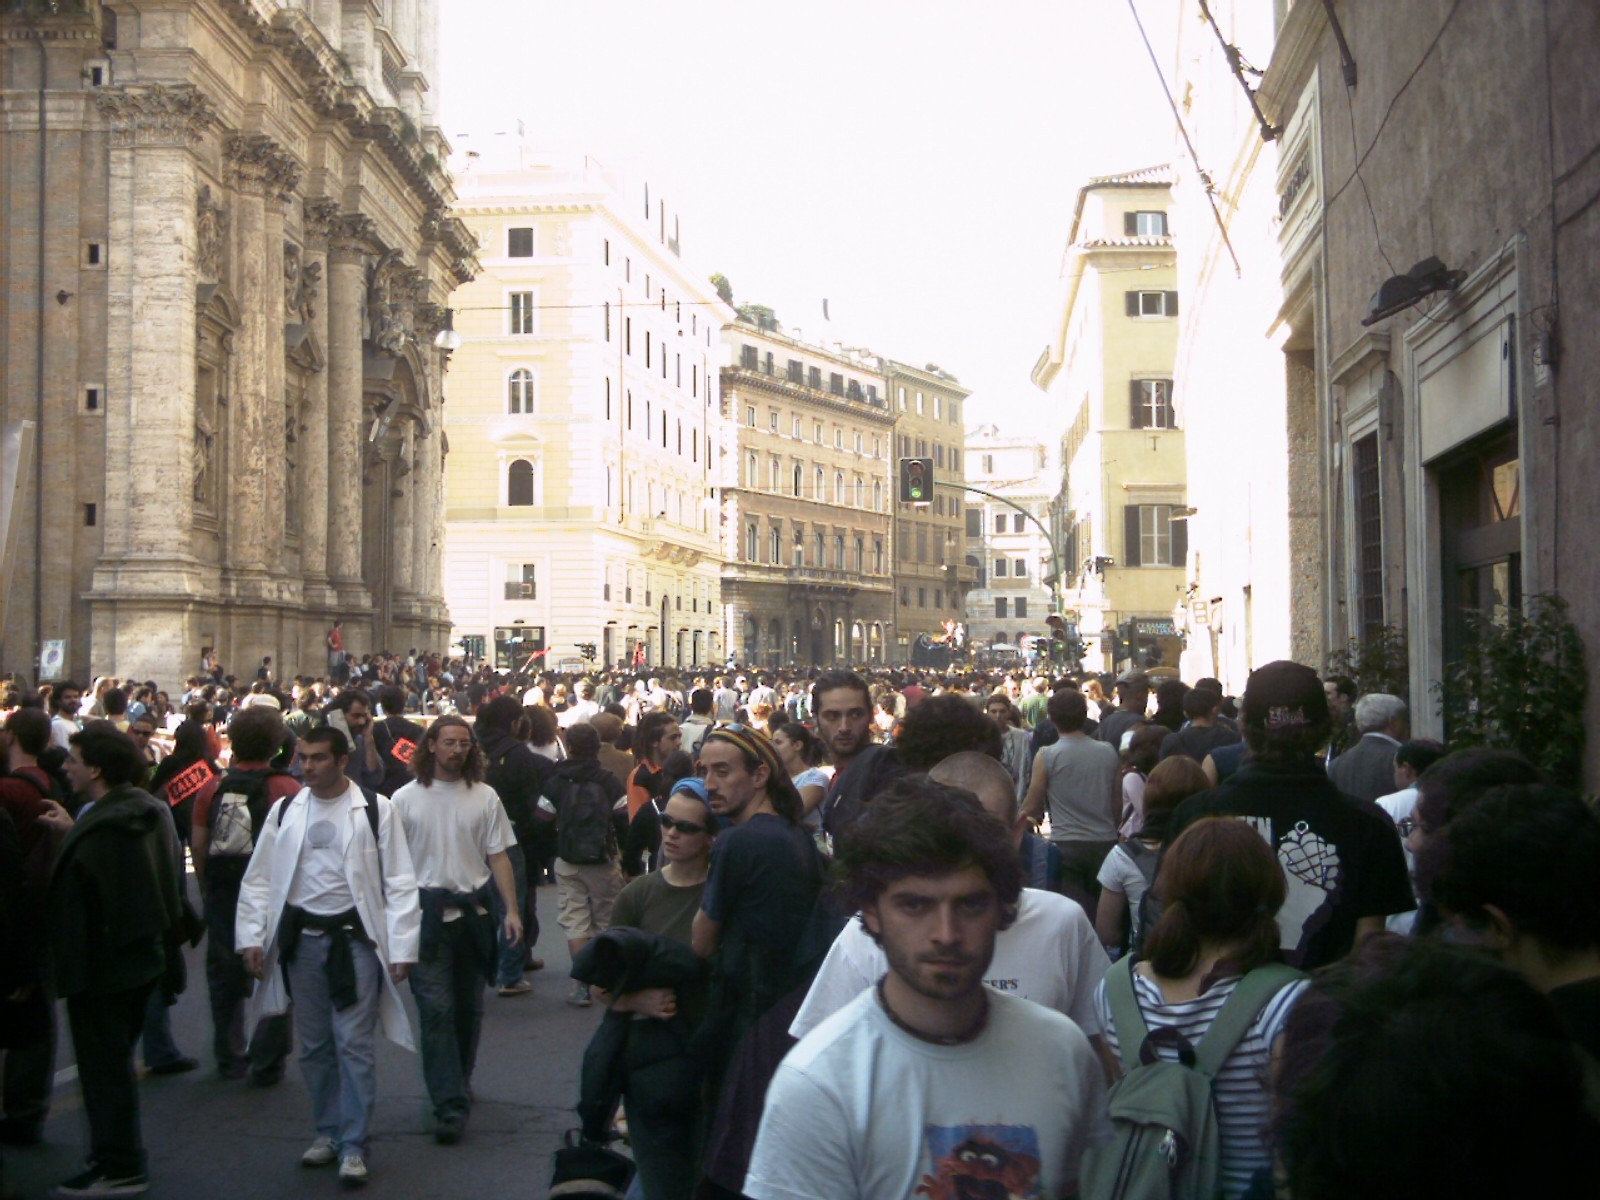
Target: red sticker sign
188, 781
404, 750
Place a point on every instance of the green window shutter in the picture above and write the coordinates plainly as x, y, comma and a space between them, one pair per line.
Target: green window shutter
1130, 536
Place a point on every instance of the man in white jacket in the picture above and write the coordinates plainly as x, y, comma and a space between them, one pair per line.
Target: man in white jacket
330, 899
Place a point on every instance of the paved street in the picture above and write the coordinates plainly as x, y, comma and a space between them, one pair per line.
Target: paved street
208, 1137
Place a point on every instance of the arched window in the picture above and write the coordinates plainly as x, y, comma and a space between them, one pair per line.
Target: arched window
519, 484
838, 487
797, 479
821, 493
751, 479
877, 495
520, 389
861, 492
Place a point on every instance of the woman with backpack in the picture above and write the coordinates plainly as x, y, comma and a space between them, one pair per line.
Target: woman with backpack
180, 775
1220, 888
1128, 871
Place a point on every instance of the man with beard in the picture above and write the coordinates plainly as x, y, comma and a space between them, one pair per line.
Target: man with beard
843, 707
931, 1083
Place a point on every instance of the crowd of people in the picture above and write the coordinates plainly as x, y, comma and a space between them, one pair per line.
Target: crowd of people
875, 934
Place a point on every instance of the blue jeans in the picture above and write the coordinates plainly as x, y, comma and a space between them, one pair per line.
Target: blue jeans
337, 1054
447, 982
515, 956
156, 1036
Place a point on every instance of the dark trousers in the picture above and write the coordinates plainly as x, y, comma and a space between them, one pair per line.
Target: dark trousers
228, 986
105, 1028
30, 1069
447, 981
514, 956
1080, 871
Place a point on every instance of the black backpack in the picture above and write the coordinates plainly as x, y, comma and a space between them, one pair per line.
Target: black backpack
1147, 860
584, 833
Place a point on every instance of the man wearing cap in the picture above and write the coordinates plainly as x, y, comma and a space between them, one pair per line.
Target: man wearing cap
1133, 694
1340, 857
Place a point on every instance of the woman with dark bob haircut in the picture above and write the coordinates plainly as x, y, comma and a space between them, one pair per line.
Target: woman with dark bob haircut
1220, 888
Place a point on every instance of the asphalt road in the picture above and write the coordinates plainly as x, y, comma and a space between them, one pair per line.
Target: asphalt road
214, 1138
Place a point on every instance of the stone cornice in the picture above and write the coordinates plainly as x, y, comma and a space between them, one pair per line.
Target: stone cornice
257, 166
743, 379
155, 114
353, 236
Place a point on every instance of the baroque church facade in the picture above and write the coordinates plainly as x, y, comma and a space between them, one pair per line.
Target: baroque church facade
227, 245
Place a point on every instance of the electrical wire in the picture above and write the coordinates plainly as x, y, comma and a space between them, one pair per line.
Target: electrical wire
1355, 149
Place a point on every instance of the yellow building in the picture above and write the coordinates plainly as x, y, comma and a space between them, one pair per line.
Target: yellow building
807, 502
1122, 507
584, 424
931, 576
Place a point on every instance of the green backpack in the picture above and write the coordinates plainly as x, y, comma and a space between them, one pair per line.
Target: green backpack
1164, 1143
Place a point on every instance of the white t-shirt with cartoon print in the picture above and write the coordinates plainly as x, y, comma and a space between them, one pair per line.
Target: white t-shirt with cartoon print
861, 1110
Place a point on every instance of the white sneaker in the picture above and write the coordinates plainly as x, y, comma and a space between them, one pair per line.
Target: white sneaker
320, 1153
352, 1170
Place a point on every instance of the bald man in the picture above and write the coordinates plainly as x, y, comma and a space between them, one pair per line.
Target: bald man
1049, 955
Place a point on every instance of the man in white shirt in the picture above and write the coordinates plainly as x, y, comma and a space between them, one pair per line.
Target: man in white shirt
931, 1083
330, 891
65, 699
582, 708
458, 833
1050, 954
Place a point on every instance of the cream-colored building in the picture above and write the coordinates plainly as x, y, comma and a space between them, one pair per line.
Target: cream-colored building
226, 247
585, 432
806, 502
1107, 369
1009, 554
931, 577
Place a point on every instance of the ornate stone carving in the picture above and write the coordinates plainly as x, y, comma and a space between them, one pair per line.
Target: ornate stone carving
211, 230
258, 166
155, 115
205, 438
352, 237
302, 285
427, 320
321, 220
392, 289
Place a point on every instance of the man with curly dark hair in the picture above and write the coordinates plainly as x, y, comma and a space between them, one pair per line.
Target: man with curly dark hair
945, 1082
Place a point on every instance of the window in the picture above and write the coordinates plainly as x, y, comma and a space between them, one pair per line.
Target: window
905, 597
1019, 568
838, 551
1144, 224
1021, 609
858, 441
877, 447
772, 420
838, 487
999, 567
520, 582
797, 479
921, 404
838, 438
799, 546
1000, 606
955, 459
938, 407
795, 429
938, 454
520, 392
89, 514
521, 312
1152, 304
1018, 522
816, 430
751, 478
999, 522
820, 492
877, 556
1369, 532
749, 358
767, 364
877, 495
836, 383
750, 415
1151, 538
974, 523
519, 243
519, 484
922, 597
988, 464
91, 399
814, 378
818, 541
861, 556
94, 254
608, 320
776, 541
774, 473
750, 542
1150, 404
795, 372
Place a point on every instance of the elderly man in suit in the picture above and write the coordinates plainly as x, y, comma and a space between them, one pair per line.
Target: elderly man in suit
1367, 768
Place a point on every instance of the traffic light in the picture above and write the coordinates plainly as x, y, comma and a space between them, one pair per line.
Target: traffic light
916, 480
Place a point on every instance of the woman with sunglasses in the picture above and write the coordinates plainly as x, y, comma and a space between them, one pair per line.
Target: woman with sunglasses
663, 1108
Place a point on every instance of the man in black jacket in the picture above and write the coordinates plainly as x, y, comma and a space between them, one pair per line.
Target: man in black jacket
113, 917
397, 739
518, 776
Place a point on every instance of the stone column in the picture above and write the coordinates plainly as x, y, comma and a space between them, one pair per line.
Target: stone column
320, 218
347, 285
424, 465
150, 377
262, 177
402, 568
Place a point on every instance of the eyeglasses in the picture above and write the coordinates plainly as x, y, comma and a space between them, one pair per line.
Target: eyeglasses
670, 823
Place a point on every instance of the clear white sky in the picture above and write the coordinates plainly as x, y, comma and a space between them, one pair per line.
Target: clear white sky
913, 161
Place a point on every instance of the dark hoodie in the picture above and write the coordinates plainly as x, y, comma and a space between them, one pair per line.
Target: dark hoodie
518, 776
113, 914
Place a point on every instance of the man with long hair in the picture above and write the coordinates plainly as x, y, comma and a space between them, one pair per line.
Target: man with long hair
931, 1082
459, 834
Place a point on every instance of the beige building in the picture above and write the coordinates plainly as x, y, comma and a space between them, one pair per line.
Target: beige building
584, 424
931, 577
806, 502
226, 246
1107, 369
1009, 553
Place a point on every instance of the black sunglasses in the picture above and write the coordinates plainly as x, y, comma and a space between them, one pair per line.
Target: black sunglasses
681, 826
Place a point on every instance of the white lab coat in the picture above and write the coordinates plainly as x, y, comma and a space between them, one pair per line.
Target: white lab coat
386, 900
